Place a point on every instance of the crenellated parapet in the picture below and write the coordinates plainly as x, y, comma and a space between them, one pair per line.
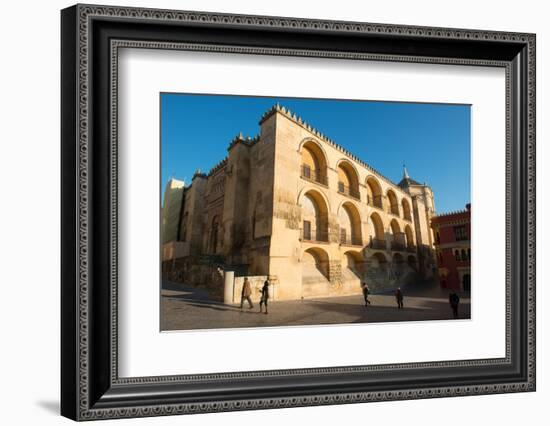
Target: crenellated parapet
199, 174
452, 213
221, 164
301, 122
240, 139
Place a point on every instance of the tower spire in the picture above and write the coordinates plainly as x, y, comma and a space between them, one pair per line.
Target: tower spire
405, 174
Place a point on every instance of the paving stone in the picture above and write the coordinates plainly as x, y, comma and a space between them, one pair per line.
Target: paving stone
186, 308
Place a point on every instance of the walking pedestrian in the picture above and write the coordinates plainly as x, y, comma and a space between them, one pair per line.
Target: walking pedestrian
245, 294
399, 298
366, 290
264, 296
454, 300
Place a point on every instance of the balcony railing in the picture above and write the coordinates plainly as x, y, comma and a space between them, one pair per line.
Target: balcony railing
375, 243
348, 190
313, 175
348, 239
375, 201
397, 246
315, 236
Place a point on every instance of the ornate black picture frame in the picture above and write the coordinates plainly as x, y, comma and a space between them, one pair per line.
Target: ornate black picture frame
91, 387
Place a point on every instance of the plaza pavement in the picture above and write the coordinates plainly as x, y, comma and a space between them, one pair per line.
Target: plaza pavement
185, 308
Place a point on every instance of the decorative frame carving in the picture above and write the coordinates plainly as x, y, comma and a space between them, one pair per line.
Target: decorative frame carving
91, 388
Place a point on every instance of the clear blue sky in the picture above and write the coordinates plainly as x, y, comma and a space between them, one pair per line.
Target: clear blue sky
432, 140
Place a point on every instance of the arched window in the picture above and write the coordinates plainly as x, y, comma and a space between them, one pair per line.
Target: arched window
397, 242
314, 164
457, 255
393, 208
315, 259
374, 192
469, 254
406, 209
409, 236
378, 260
377, 240
348, 182
463, 254
350, 225
353, 265
314, 217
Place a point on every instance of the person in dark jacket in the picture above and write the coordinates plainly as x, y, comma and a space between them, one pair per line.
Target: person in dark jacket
264, 296
245, 294
399, 298
366, 290
454, 300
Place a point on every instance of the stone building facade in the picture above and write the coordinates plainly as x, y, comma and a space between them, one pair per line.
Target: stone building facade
293, 205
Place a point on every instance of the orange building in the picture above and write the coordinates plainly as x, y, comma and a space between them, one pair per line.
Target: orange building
452, 233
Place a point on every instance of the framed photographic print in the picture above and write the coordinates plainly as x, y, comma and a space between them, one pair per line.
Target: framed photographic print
263, 212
